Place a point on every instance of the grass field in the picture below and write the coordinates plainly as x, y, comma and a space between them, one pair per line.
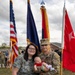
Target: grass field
5, 71
66, 72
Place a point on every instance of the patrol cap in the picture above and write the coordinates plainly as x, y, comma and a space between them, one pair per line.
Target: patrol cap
44, 41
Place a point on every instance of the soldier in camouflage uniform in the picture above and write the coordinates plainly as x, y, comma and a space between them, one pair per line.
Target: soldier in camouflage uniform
23, 65
2, 59
49, 57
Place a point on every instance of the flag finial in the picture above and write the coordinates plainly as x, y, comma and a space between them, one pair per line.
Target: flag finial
42, 3
28, 1
10, 0
64, 3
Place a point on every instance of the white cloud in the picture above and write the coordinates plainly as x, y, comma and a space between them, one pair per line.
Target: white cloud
54, 10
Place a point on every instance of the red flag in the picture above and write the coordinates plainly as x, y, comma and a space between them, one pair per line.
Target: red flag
69, 45
45, 27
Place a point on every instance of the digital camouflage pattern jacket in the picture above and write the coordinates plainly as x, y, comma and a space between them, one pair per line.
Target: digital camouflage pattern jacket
25, 67
51, 59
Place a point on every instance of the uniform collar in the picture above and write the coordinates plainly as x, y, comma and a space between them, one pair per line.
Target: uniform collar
50, 52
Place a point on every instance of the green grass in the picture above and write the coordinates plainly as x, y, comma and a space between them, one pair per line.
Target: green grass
66, 72
5, 71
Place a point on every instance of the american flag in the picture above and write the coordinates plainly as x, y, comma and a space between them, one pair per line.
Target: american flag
13, 35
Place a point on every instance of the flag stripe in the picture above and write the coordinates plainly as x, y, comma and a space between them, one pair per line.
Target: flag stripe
15, 49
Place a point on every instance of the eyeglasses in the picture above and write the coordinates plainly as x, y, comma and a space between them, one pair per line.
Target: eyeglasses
31, 48
45, 45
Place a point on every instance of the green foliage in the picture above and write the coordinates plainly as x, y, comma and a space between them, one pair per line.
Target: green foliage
3, 47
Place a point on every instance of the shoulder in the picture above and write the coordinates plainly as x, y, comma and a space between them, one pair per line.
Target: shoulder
19, 58
55, 55
19, 61
41, 54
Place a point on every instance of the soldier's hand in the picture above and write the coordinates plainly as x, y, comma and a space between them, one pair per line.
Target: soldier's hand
38, 70
45, 69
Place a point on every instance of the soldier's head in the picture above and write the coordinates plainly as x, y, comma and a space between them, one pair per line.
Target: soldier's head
45, 45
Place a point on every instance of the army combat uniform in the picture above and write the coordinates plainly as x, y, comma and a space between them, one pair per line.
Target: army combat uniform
25, 67
51, 59
2, 59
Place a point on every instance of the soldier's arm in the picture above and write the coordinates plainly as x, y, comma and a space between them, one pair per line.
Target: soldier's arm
56, 62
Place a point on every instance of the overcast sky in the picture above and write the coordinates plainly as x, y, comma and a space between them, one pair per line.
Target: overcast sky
54, 10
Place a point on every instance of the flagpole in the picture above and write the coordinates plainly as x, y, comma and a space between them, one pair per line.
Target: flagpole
62, 43
10, 54
63, 23
11, 45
